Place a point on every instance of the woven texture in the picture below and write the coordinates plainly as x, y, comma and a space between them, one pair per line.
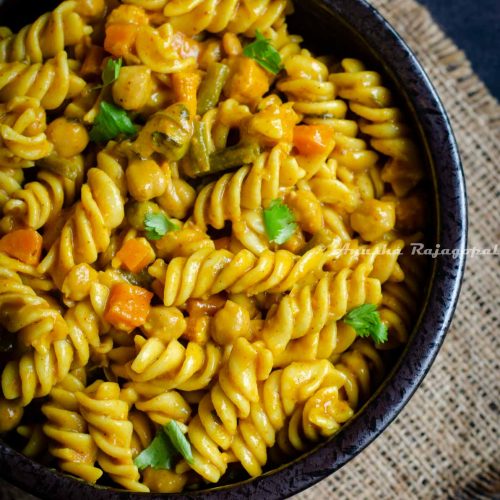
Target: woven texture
445, 443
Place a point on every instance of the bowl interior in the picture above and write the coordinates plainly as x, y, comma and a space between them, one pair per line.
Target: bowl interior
342, 28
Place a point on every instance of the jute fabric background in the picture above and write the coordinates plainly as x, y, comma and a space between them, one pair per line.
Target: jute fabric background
445, 443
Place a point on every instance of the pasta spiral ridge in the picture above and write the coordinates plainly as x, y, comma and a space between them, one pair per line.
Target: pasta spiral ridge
229, 399
38, 202
171, 365
51, 83
303, 325
208, 272
251, 187
36, 322
22, 136
383, 122
280, 395
50, 33
107, 417
87, 232
363, 367
192, 17
71, 444
35, 373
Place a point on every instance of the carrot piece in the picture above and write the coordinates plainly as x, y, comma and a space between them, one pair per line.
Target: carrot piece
185, 85
135, 254
127, 306
248, 82
120, 39
313, 139
24, 245
93, 61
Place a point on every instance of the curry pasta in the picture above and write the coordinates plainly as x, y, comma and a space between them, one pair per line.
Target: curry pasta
204, 236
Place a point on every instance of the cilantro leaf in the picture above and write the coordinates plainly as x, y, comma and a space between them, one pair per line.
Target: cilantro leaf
158, 225
163, 451
279, 222
160, 454
264, 53
110, 122
366, 321
179, 440
111, 72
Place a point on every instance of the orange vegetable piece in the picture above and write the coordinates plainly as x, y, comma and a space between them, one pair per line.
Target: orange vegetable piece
92, 65
24, 245
127, 306
185, 85
120, 39
313, 139
136, 254
248, 82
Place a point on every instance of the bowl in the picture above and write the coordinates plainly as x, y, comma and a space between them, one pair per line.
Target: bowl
351, 28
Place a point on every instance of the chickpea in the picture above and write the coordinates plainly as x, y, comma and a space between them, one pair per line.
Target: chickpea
11, 413
69, 137
229, 323
164, 323
133, 87
145, 180
373, 218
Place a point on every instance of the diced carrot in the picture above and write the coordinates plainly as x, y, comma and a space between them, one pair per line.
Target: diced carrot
120, 39
185, 85
248, 82
23, 244
128, 14
127, 306
136, 254
93, 61
313, 139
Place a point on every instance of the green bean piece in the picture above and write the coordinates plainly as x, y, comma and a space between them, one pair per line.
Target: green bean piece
200, 156
71, 168
234, 156
211, 87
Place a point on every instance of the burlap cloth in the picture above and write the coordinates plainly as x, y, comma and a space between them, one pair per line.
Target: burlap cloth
445, 443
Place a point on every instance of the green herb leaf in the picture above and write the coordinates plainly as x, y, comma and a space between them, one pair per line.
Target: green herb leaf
264, 53
279, 222
366, 321
110, 122
158, 225
160, 454
111, 71
179, 440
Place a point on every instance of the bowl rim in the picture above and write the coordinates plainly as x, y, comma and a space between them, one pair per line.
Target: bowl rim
375, 416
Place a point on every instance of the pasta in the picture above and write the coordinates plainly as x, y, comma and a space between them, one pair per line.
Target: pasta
204, 237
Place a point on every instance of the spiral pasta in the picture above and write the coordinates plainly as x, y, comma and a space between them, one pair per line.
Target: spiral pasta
237, 17
22, 137
109, 427
209, 272
66, 25
210, 230
87, 232
51, 83
71, 444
